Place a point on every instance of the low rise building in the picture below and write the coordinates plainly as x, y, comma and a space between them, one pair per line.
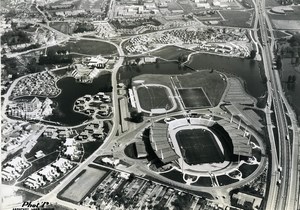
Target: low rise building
246, 200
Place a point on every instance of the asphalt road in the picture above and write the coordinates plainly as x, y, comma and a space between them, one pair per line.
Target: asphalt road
284, 195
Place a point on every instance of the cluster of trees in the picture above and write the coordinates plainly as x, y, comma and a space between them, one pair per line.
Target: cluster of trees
278, 62
291, 79
83, 27
33, 66
293, 49
182, 202
295, 40
52, 57
11, 13
30, 47
15, 37
252, 54
10, 66
131, 24
182, 58
248, 3
136, 116
295, 45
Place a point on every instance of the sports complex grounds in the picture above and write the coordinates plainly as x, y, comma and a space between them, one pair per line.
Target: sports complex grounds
83, 184
158, 94
198, 146
194, 97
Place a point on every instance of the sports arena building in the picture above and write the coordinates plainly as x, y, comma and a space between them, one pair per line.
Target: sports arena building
199, 144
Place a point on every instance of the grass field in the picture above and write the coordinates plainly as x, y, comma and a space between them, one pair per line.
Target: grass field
194, 98
90, 148
198, 146
203, 181
247, 169
154, 97
237, 18
81, 186
212, 84
281, 34
287, 24
273, 3
63, 27
47, 145
87, 47
225, 180
171, 52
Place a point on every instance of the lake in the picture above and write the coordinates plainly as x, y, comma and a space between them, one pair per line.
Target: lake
246, 69
70, 92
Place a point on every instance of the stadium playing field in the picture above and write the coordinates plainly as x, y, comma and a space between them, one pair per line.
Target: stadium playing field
82, 185
154, 97
194, 97
198, 146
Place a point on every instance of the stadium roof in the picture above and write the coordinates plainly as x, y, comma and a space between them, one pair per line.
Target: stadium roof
160, 144
240, 142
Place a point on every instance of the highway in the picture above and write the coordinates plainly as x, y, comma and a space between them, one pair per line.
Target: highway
284, 195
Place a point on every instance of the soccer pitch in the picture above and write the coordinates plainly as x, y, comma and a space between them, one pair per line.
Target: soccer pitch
198, 146
81, 186
194, 97
154, 97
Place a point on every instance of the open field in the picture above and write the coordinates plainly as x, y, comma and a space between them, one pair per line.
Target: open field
85, 182
241, 19
87, 47
281, 34
225, 180
290, 20
287, 24
47, 145
174, 175
90, 148
211, 83
154, 97
198, 146
247, 169
171, 52
273, 3
63, 27
186, 5
194, 98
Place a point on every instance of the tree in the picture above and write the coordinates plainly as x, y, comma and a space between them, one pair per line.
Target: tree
137, 60
136, 116
289, 78
278, 62
180, 58
294, 40
253, 54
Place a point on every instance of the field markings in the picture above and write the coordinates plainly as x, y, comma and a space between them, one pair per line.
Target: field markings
85, 182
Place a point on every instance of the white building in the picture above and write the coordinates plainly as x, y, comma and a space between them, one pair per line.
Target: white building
62, 165
70, 142
97, 61
203, 5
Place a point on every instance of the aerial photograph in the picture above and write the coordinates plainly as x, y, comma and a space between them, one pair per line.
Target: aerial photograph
150, 104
